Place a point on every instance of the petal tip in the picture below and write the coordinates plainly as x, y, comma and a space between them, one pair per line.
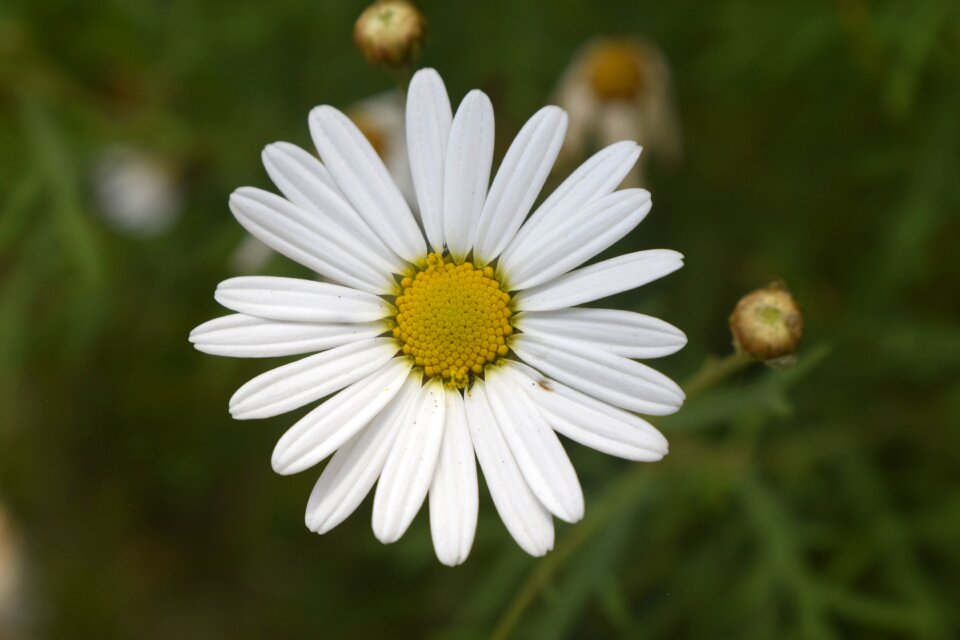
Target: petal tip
241, 199
320, 110
281, 463
451, 560
321, 116
241, 413
269, 151
386, 536
316, 521
478, 96
553, 111
427, 74
324, 527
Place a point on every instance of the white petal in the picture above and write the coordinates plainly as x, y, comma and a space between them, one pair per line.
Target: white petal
326, 428
467, 171
361, 176
298, 383
521, 175
595, 178
527, 520
453, 493
350, 474
428, 129
243, 336
553, 250
589, 421
410, 465
535, 447
304, 236
603, 375
625, 333
305, 182
599, 280
296, 171
299, 300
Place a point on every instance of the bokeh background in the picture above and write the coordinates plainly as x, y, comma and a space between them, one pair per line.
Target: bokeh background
821, 146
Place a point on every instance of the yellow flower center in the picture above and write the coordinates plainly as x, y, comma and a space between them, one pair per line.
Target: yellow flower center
453, 319
615, 71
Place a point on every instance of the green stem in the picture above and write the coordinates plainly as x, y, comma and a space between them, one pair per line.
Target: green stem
622, 493
402, 77
714, 371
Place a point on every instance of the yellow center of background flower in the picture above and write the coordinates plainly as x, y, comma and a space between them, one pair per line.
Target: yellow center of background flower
453, 319
615, 71
374, 134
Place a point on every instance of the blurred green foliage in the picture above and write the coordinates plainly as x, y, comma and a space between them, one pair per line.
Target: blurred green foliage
822, 145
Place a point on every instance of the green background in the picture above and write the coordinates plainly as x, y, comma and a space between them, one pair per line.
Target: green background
822, 146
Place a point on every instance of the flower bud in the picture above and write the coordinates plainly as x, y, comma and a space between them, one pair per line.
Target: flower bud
390, 32
767, 324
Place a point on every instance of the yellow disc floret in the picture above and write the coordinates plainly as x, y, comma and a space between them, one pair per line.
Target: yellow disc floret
453, 319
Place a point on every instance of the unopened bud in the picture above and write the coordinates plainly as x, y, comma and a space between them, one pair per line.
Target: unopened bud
390, 32
767, 324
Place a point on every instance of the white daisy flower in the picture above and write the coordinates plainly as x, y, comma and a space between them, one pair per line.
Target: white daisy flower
617, 89
453, 333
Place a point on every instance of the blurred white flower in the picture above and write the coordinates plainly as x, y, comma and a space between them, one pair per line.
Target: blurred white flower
450, 336
135, 192
380, 119
620, 89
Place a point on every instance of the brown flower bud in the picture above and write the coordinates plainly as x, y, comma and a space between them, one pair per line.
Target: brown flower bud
767, 324
390, 32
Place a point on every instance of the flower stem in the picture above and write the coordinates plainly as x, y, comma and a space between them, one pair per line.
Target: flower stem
714, 371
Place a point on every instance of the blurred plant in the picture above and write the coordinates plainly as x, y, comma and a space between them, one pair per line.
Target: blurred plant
13, 607
620, 89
